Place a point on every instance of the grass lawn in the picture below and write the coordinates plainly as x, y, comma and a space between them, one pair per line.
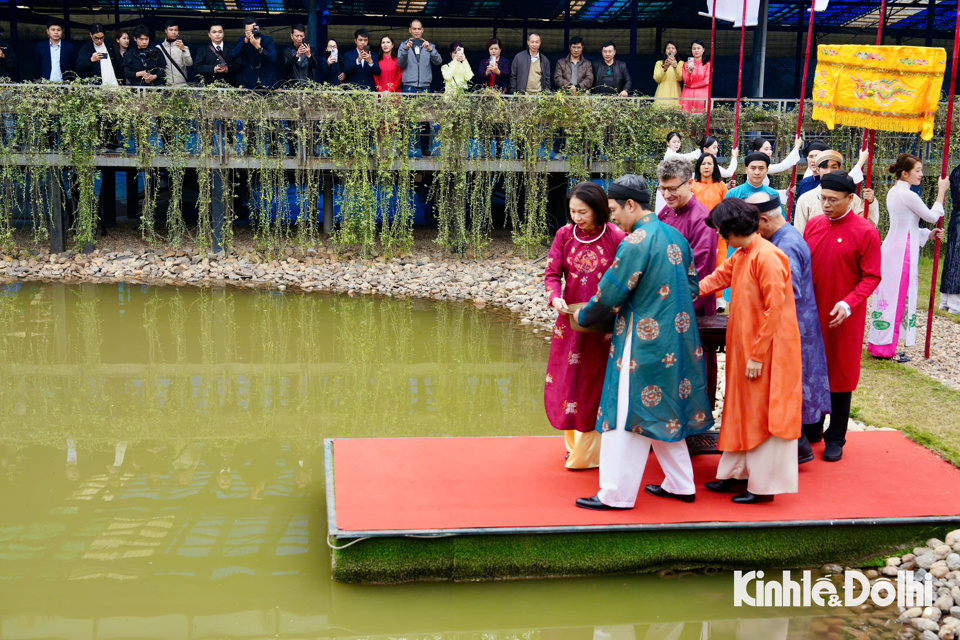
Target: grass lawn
925, 271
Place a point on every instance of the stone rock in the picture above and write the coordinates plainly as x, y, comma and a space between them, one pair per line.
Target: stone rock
944, 603
891, 571
955, 592
924, 624
933, 543
942, 551
932, 613
909, 614
832, 569
953, 561
955, 611
894, 561
953, 537
950, 621
946, 633
926, 560
939, 569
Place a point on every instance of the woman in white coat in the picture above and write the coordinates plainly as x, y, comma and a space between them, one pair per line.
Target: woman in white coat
895, 301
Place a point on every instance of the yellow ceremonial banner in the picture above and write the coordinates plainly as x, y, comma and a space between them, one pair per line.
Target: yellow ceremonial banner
884, 88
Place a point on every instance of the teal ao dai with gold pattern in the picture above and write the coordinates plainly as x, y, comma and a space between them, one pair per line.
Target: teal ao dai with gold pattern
651, 286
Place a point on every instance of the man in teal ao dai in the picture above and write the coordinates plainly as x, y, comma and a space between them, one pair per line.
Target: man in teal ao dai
654, 392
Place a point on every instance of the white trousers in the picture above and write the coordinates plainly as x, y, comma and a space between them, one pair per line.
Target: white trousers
768, 468
623, 456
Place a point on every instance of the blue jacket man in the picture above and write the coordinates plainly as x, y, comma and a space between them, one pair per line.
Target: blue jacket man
360, 65
256, 57
55, 47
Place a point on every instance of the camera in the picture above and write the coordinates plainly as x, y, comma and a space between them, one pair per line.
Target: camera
256, 33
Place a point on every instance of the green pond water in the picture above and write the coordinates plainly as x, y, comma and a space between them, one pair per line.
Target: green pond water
162, 471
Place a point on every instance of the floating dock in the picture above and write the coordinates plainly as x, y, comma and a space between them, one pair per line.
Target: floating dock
405, 509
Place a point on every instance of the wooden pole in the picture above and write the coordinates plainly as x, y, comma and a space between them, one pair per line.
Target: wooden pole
803, 96
943, 174
868, 134
713, 41
743, 37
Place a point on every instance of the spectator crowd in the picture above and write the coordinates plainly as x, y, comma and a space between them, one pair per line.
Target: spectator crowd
257, 62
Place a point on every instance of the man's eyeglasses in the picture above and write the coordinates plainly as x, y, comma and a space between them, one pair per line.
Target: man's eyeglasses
830, 201
98, 38
671, 190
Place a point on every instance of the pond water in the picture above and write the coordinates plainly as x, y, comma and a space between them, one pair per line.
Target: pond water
162, 471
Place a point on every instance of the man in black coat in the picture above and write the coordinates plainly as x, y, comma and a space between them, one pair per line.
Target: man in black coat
8, 60
611, 76
55, 57
530, 70
213, 62
144, 66
96, 60
298, 60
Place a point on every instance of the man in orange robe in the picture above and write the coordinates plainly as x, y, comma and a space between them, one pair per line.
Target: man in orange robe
762, 407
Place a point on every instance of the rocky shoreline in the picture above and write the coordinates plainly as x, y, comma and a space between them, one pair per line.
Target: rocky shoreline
941, 560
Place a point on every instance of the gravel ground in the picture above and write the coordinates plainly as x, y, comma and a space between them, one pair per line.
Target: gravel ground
944, 362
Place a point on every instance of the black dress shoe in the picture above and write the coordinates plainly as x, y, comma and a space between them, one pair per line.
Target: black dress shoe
751, 498
804, 450
727, 485
594, 504
660, 492
833, 452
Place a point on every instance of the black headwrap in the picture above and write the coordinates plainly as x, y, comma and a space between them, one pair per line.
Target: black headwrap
623, 192
838, 181
814, 146
757, 156
769, 205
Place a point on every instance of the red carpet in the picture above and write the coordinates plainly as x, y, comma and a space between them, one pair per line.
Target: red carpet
403, 484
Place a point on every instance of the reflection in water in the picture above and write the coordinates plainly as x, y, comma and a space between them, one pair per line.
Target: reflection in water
161, 472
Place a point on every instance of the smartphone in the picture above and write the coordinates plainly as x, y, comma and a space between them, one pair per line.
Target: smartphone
670, 55
690, 61
366, 48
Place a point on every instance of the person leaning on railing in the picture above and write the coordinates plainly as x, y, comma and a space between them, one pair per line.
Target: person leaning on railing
95, 59
574, 73
257, 56
213, 62
668, 74
530, 69
494, 70
456, 73
144, 66
298, 59
55, 57
611, 76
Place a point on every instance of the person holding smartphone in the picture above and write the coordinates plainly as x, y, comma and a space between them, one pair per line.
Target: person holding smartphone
95, 59
298, 59
668, 73
361, 65
696, 79
175, 54
494, 70
457, 73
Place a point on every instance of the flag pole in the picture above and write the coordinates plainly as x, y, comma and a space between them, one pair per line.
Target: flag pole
743, 36
713, 40
869, 135
943, 174
803, 95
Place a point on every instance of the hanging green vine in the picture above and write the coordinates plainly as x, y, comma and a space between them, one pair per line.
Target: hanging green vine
487, 147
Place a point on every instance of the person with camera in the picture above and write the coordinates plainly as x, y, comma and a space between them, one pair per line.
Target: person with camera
214, 63
360, 65
696, 79
176, 54
96, 60
457, 73
668, 74
574, 73
256, 55
144, 66
298, 59
415, 57
494, 70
